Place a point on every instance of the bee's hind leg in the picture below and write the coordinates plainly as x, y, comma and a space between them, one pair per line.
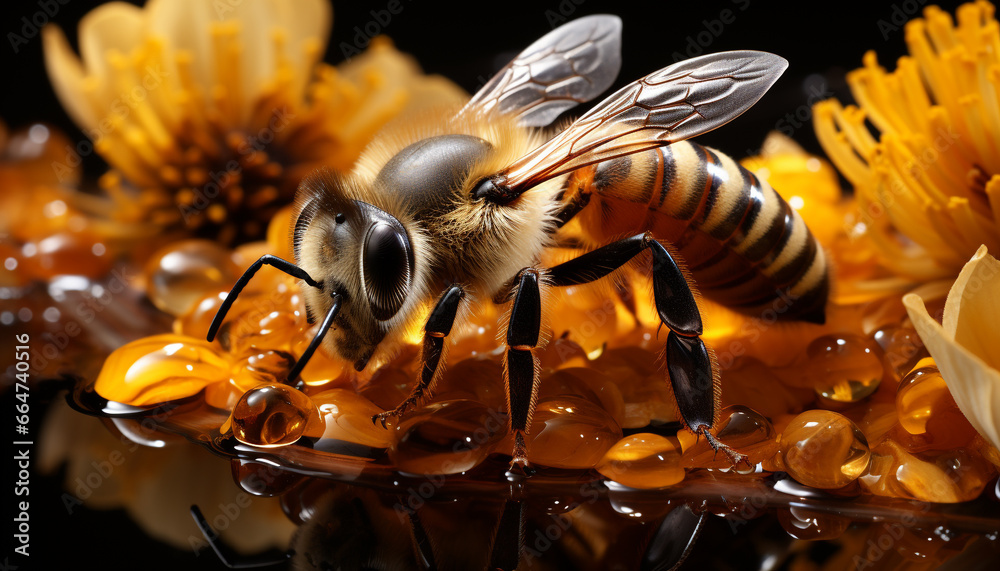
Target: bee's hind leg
691, 367
438, 327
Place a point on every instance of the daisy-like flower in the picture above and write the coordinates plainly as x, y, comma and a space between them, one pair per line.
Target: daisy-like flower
964, 345
210, 113
928, 186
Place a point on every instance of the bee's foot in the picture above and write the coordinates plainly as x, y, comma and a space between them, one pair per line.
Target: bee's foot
519, 458
735, 457
385, 417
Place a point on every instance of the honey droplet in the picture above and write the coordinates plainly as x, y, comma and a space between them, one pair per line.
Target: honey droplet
742, 429
447, 437
348, 418
823, 449
643, 461
805, 524
848, 368
570, 432
275, 415
160, 368
926, 408
179, 276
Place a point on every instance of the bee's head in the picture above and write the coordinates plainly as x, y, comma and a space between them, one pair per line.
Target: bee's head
371, 254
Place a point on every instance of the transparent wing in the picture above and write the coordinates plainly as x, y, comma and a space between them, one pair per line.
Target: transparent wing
675, 103
570, 65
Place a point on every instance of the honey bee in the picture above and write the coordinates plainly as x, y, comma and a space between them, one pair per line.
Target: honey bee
454, 208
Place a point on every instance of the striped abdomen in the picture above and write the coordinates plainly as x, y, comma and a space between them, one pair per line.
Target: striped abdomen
744, 246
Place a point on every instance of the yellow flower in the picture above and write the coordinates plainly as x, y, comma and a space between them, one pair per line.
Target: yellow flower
211, 112
965, 345
928, 186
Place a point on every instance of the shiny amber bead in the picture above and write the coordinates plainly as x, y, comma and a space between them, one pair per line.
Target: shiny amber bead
570, 432
562, 353
348, 418
949, 476
447, 437
927, 409
262, 367
275, 415
586, 383
388, 387
823, 449
643, 461
65, 253
198, 318
750, 383
182, 274
279, 232
875, 419
847, 368
742, 429
901, 349
265, 480
160, 368
322, 368
805, 524
475, 379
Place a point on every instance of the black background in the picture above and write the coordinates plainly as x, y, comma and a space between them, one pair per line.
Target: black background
821, 40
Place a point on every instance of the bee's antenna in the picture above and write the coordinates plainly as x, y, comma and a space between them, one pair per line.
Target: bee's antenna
323, 328
273, 261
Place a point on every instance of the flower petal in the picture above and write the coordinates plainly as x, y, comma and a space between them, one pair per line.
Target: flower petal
973, 308
974, 384
67, 77
112, 26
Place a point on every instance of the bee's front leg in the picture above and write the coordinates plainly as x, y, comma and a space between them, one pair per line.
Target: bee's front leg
438, 327
520, 363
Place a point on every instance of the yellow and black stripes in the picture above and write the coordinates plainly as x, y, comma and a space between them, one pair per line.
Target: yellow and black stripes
743, 244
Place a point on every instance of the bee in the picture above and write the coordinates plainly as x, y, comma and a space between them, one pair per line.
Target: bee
450, 209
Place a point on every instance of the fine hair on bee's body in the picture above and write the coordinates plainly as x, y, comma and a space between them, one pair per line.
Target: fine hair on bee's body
460, 206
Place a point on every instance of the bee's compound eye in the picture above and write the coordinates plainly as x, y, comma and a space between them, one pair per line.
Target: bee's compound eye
387, 268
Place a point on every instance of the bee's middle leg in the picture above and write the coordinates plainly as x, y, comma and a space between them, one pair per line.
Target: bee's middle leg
520, 363
438, 327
